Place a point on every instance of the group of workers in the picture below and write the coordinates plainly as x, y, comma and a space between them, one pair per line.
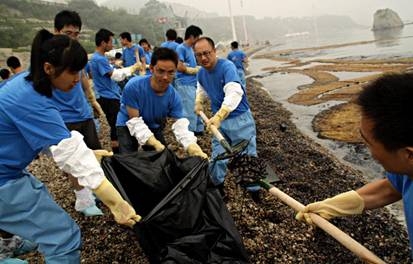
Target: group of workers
58, 121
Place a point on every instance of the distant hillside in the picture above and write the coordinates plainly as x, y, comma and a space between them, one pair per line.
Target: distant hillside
134, 6
20, 19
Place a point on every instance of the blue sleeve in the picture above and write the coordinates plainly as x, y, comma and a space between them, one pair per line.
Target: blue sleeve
103, 67
42, 129
396, 181
230, 73
130, 95
181, 53
176, 110
141, 52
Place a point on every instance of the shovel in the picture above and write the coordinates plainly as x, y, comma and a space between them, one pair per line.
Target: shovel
236, 150
344, 239
230, 151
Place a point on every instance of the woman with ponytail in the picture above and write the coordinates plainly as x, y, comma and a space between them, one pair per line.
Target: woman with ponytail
29, 124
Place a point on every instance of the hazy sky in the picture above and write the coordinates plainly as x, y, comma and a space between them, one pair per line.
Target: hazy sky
360, 10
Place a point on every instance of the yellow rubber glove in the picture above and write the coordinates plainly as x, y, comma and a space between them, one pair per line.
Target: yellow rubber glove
219, 116
192, 71
152, 141
135, 67
347, 203
195, 150
92, 100
123, 213
100, 153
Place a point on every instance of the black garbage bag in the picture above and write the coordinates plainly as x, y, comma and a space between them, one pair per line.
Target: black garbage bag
184, 217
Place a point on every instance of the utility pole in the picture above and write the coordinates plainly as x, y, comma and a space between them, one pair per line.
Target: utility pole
244, 24
234, 34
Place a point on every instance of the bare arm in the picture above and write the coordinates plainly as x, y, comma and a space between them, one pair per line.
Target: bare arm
85, 84
181, 67
132, 112
378, 194
141, 60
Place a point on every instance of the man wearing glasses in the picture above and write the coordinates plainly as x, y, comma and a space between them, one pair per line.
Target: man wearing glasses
218, 79
146, 103
75, 110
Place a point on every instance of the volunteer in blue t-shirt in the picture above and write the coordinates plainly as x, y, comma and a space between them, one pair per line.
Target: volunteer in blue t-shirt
132, 53
218, 79
76, 111
28, 127
147, 102
170, 39
185, 82
238, 57
105, 78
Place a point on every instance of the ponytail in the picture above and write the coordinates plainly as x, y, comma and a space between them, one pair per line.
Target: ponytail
58, 50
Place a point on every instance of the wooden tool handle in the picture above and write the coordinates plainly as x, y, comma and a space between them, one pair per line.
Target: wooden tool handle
347, 241
213, 128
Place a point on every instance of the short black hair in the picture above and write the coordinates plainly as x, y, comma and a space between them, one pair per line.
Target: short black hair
66, 18
126, 35
164, 54
388, 103
103, 35
179, 40
13, 62
144, 41
4, 74
171, 34
194, 31
234, 45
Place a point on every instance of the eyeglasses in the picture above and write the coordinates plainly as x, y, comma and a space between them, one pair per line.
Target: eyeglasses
206, 53
161, 72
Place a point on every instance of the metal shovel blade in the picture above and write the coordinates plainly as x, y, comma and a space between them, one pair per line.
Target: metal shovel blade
271, 177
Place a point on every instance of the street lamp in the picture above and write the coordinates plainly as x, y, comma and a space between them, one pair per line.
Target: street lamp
234, 34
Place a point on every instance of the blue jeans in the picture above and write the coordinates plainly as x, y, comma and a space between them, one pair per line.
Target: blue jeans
188, 93
241, 75
234, 130
28, 210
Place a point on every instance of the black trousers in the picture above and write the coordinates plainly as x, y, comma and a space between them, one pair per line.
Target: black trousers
111, 109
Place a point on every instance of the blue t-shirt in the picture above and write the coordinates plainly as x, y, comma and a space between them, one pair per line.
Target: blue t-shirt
237, 57
129, 55
104, 85
73, 105
153, 108
148, 57
186, 55
30, 122
214, 81
11, 78
170, 45
403, 184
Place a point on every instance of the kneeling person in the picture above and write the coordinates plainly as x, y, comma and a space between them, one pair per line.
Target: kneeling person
147, 102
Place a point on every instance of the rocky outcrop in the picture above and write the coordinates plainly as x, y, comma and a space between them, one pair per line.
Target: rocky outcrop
386, 19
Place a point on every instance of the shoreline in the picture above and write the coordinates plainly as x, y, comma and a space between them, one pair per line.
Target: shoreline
334, 124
